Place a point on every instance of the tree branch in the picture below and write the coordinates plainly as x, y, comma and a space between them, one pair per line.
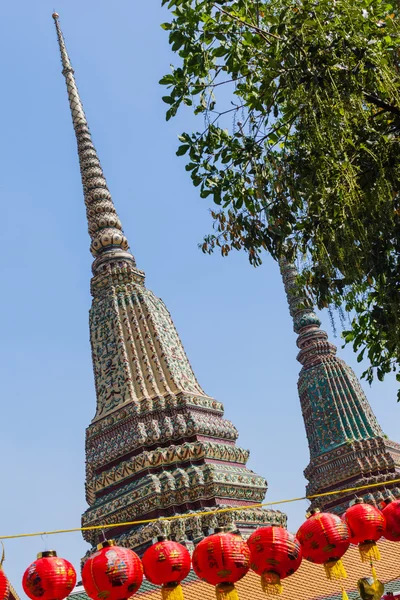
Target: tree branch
262, 32
378, 102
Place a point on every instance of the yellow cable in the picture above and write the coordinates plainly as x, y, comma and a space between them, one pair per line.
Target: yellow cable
199, 514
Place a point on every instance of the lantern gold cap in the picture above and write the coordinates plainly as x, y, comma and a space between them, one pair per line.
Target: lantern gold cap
170, 585
106, 544
47, 554
385, 503
312, 512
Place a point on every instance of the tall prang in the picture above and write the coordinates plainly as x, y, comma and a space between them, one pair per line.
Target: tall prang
158, 446
347, 445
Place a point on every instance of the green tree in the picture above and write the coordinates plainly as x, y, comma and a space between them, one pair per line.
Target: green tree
300, 145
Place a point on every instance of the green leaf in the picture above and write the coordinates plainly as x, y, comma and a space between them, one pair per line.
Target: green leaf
361, 355
171, 112
182, 150
221, 51
167, 80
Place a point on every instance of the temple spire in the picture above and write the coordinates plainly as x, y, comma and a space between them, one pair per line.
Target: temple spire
157, 445
346, 414
347, 445
105, 230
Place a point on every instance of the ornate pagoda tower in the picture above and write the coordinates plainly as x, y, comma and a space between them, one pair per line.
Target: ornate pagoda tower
158, 445
347, 446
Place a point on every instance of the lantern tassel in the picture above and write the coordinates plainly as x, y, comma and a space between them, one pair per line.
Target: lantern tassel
344, 594
172, 591
226, 591
334, 569
373, 573
271, 583
369, 551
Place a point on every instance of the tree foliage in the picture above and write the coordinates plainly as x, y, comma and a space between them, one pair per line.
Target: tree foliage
300, 145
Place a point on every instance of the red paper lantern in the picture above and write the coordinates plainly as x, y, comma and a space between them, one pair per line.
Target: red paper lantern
221, 560
391, 512
324, 538
274, 554
49, 577
167, 563
366, 524
112, 573
4, 586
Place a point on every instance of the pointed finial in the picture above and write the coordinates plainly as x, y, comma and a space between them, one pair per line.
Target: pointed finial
108, 240
311, 338
300, 307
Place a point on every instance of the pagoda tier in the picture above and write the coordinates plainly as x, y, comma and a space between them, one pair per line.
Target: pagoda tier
347, 446
158, 446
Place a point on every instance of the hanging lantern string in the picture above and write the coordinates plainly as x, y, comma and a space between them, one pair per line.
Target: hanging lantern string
197, 514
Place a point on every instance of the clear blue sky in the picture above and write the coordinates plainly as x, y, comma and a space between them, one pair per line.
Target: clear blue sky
233, 319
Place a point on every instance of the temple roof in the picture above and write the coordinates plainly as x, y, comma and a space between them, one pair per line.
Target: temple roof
309, 582
13, 594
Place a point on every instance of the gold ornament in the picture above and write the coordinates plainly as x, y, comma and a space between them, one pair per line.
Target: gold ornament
370, 589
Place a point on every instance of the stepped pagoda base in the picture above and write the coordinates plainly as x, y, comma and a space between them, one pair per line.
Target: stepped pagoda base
360, 463
189, 530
